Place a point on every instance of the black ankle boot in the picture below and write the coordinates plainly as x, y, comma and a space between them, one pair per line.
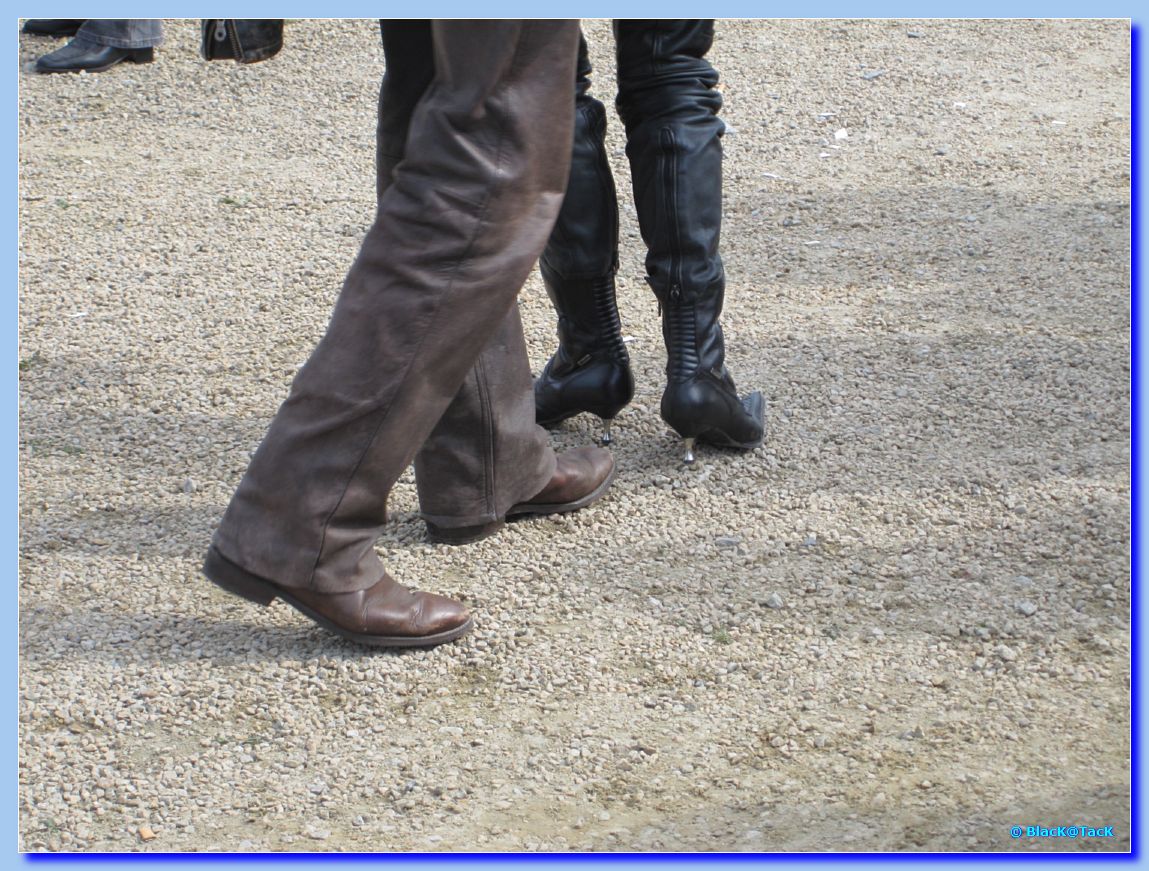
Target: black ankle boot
668, 101
590, 371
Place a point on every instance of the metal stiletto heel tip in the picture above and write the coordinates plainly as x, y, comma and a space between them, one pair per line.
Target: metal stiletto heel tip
689, 455
607, 438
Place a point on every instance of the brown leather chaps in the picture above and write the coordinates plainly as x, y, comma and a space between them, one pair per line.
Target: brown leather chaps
423, 358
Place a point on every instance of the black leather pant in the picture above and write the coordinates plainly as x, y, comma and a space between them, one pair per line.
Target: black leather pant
669, 105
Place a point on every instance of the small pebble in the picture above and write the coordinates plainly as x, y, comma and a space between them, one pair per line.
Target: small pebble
1005, 652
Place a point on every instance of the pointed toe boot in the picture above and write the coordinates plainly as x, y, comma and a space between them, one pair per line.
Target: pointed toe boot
669, 103
386, 614
700, 401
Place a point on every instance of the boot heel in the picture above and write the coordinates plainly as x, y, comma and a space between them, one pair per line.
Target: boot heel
607, 438
232, 578
688, 455
142, 55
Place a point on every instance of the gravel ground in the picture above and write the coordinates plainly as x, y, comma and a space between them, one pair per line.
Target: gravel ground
901, 624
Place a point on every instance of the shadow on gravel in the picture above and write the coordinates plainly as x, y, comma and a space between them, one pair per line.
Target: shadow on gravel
952, 233
144, 531
171, 532
941, 402
50, 640
857, 823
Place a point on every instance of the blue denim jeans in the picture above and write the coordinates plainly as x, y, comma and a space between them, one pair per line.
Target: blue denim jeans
121, 32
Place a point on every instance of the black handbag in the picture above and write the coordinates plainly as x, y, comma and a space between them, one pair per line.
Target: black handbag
245, 40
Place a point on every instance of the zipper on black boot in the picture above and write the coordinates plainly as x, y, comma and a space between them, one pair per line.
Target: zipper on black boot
669, 158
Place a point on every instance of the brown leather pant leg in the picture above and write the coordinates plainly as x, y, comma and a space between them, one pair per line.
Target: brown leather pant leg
457, 231
486, 453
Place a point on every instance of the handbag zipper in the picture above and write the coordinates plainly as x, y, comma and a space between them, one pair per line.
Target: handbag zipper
221, 35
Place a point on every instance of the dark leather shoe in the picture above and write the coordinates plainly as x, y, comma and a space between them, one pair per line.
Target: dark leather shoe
52, 26
581, 477
385, 615
73, 58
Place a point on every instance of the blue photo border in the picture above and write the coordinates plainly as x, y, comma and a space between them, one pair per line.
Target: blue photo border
629, 8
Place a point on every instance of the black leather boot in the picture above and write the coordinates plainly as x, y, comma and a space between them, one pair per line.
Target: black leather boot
590, 371
80, 57
700, 401
668, 102
52, 26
